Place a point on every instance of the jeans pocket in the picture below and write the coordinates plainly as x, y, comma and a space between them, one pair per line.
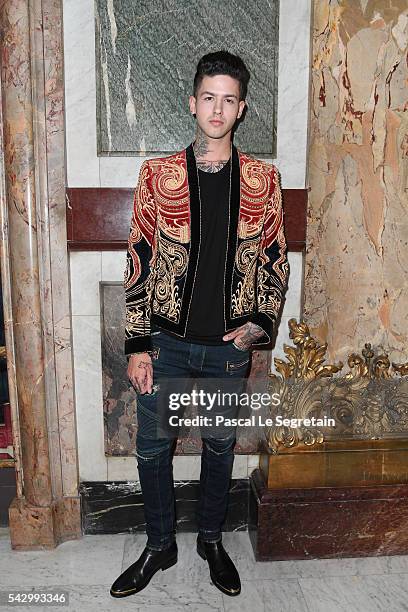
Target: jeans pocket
239, 349
239, 367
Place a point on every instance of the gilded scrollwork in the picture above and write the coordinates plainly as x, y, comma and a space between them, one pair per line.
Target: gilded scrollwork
306, 359
370, 401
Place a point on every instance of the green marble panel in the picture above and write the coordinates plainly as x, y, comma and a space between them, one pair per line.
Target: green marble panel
147, 52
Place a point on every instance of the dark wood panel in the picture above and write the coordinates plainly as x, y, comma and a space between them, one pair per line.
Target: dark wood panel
99, 216
295, 208
99, 219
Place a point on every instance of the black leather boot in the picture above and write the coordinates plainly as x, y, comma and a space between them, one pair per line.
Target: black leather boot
139, 574
222, 570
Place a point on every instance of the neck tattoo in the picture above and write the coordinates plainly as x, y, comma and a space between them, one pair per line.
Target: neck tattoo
201, 148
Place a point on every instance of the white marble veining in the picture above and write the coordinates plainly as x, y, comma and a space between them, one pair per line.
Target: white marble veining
185, 467
80, 93
267, 596
120, 171
122, 468
282, 338
85, 275
356, 593
293, 92
292, 306
86, 568
86, 169
113, 265
253, 463
89, 560
88, 397
282, 595
308, 568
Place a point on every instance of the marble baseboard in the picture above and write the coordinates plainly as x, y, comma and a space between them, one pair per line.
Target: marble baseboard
327, 522
117, 507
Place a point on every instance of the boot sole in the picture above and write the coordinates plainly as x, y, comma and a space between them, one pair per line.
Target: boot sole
217, 584
141, 587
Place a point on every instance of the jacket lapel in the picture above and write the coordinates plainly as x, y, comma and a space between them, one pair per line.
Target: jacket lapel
232, 230
195, 222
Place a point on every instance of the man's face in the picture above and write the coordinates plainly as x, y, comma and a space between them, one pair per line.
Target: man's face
217, 105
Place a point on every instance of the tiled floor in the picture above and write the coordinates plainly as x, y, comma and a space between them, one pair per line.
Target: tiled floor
86, 569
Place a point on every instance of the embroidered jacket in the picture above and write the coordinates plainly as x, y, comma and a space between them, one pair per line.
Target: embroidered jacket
164, 245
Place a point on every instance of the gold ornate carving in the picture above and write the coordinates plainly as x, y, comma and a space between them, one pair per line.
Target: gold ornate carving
299, 386
370, 401
368, 365
306, 359
401, 368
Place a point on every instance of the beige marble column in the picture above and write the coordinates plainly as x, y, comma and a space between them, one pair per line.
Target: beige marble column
35, 275
356, 281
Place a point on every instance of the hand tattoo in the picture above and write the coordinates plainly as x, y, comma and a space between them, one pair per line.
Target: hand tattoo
143, 364
251, 332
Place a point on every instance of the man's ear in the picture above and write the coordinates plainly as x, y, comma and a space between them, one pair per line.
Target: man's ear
192, 104
242, 104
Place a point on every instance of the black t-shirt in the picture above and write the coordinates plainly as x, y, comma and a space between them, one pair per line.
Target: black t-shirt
206, 318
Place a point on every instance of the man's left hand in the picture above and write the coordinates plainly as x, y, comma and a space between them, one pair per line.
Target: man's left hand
244, 335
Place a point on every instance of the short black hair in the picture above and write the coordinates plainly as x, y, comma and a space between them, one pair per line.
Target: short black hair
223, 62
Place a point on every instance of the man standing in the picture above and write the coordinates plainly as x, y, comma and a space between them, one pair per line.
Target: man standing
205, 276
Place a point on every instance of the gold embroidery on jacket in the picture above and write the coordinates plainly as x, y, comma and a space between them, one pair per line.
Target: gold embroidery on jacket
254, 175
180, 232
138, 311
173, 199
268, 301
255, 189
137, 294
135, 318
242, 301
171, 265
162, 222
271, 287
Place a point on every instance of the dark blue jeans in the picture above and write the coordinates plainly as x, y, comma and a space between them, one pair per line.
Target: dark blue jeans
182, 360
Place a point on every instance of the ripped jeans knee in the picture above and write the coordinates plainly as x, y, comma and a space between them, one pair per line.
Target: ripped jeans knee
148, 450
220, 446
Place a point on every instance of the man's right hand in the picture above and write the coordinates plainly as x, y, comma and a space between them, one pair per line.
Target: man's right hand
140, 372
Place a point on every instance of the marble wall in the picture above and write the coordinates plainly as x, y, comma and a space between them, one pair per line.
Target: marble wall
356, 283
147, 54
